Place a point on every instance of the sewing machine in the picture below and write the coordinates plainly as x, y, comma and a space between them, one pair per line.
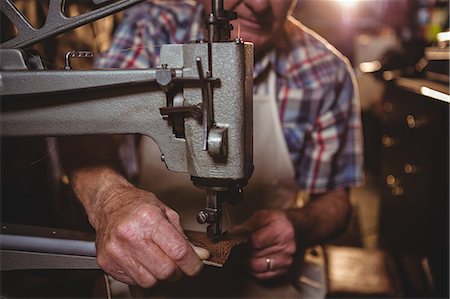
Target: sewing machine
197, 105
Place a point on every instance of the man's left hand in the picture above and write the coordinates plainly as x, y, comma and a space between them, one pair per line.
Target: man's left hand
272, 243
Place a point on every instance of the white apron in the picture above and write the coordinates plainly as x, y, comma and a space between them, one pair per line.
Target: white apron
272, 184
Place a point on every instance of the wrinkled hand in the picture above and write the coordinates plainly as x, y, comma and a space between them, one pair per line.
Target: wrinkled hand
140, 240
272, 236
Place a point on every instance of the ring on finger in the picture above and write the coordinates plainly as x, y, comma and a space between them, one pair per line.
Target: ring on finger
269, 263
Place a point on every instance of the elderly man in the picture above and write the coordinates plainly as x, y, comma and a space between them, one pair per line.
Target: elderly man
307, 139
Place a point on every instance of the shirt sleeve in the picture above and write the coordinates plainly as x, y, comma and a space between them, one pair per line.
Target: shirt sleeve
145, 28
333, 154
127, 48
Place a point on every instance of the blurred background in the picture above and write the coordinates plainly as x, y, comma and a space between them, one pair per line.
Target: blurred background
399, 50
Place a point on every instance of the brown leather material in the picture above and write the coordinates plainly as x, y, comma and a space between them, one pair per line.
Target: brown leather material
356, 272
220, 251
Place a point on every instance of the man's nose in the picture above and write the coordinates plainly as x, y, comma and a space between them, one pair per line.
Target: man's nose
258, 6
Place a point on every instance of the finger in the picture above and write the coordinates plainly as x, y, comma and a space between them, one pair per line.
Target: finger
274, 235
122, 264
140, 275
260, 265
258, 220
155, 261
130, 269
176, 247
121, 276
109, 258
288, 248
176, 276
264, 238
202, 253
268, 251
269, 275
241, 229
174, 219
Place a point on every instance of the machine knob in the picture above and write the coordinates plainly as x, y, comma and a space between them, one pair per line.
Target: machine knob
218, 142
202, 217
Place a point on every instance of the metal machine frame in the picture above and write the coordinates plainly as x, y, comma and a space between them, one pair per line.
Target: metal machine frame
196, 105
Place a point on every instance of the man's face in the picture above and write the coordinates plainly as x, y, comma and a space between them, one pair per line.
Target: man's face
260, 21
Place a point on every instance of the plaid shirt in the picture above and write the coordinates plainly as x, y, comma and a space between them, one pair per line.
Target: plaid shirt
317, 102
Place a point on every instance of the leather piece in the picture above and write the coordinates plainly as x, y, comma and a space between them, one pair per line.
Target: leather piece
220, 251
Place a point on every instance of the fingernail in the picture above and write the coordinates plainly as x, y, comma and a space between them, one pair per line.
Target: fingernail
202, 253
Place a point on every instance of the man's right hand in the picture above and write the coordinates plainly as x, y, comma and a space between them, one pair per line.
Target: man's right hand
139, 239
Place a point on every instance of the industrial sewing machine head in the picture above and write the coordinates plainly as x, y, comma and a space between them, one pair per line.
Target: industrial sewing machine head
218, 132
197, 105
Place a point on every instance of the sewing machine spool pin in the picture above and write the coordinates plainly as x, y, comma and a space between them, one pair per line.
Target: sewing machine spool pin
75, 54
